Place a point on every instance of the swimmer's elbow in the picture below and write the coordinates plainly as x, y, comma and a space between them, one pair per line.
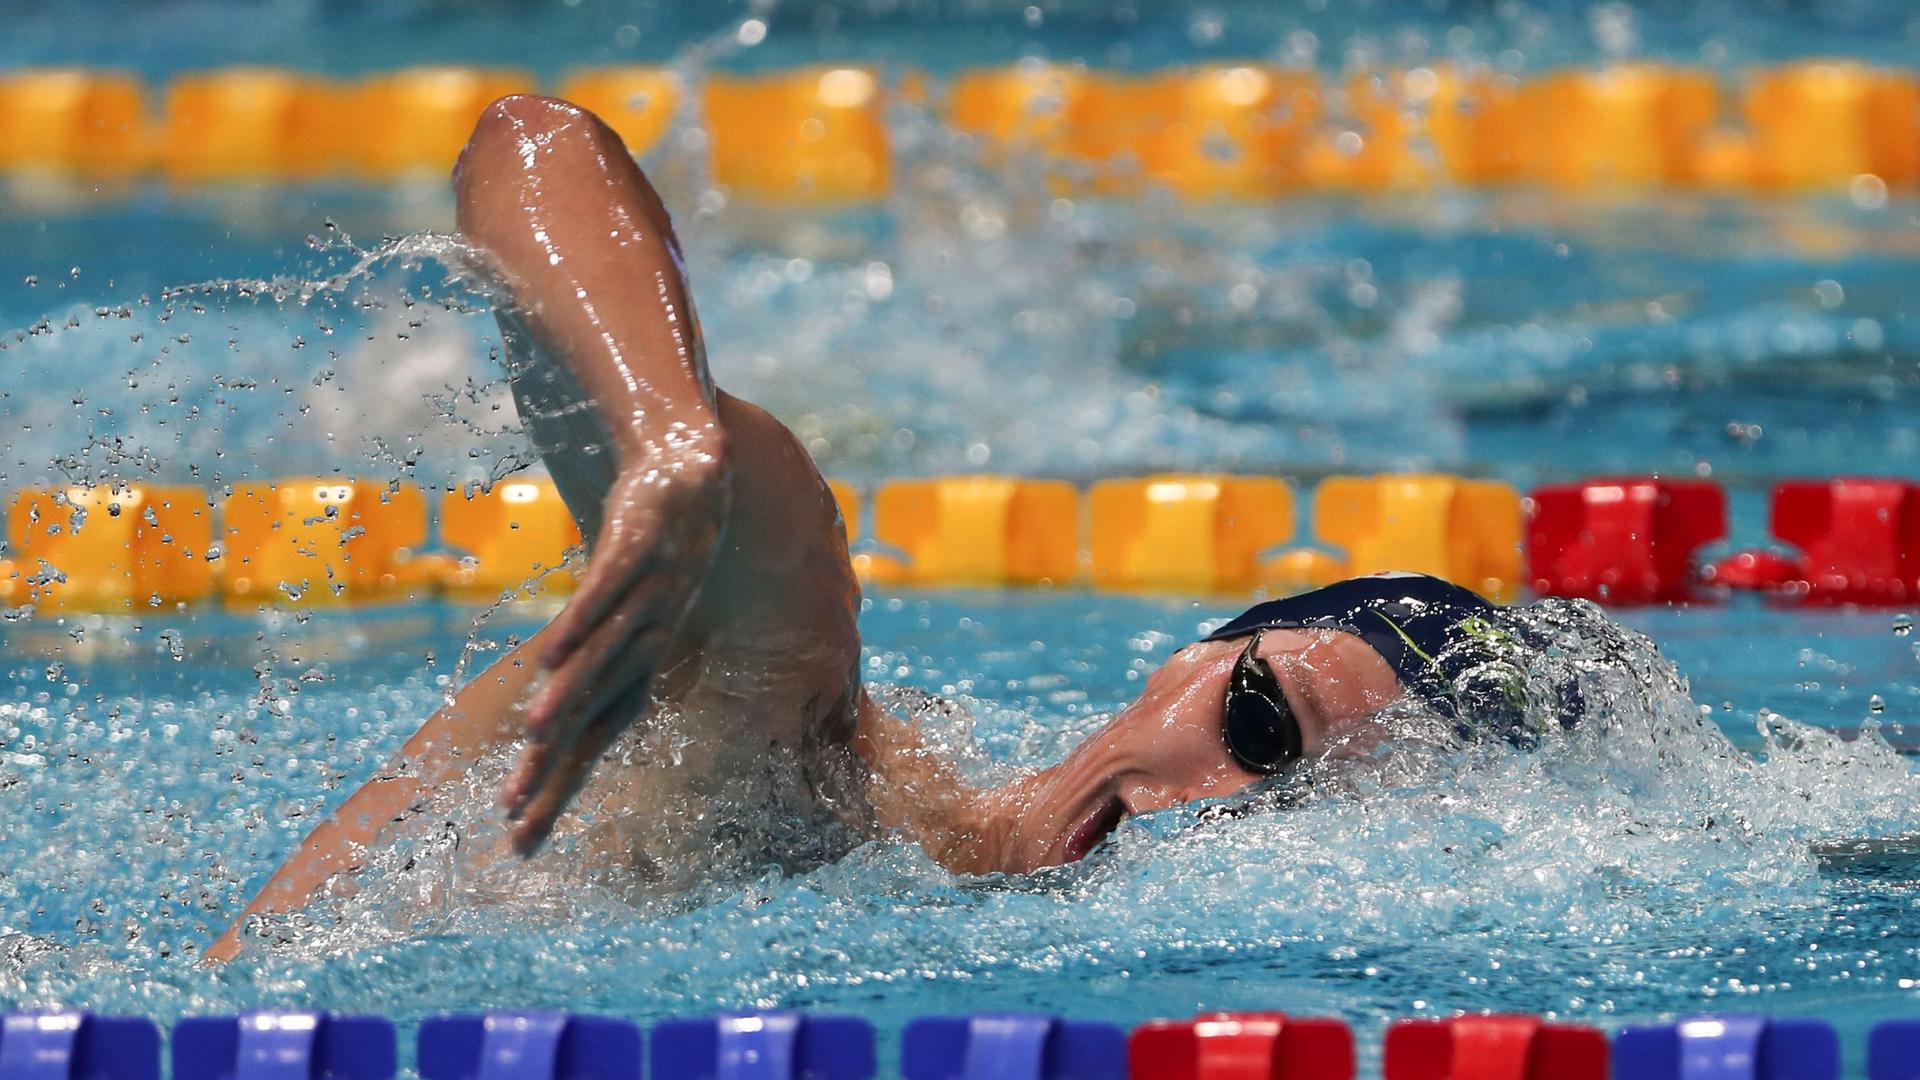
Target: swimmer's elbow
518, 140
513, 126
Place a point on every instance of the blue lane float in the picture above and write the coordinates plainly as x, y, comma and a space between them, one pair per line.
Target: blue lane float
283, 1046
78, 1046
1893, 1051
791, 1046
528, 1046
1729, 1048
1011, 1046
763, 1046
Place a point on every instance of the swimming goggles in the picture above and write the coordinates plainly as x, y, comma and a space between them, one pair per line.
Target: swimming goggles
1258, 724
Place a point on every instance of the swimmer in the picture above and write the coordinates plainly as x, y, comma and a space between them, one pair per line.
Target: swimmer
718, 593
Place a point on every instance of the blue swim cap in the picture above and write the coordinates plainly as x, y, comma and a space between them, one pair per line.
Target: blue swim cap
1415, 622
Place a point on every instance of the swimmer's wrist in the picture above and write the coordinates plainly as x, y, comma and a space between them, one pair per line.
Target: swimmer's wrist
690, 446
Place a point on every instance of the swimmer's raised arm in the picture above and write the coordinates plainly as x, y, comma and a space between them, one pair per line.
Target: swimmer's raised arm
716, 549
584, 244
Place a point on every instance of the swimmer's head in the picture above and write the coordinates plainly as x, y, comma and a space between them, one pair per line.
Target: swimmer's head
1171, 745
1295, 679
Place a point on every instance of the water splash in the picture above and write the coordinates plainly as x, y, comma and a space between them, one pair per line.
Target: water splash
365, 361
1599, 874
152, 774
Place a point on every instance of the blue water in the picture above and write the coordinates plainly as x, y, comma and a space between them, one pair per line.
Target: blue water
152, 770
159, 771
349, 36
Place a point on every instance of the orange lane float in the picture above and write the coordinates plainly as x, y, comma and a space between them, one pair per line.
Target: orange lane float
1721, 159
516, 537
253, 124
1384, 144
1823, 125
1399, 130
1207, 132
231, 124
638, 103
975, 530
110, 548
72, 122
1106, 114
1466, 531
317, 540
1227, 131
1193, 532
848, 500
412, 123
1621, 126
1026, 107
1893, 126
1475, 121
815, 136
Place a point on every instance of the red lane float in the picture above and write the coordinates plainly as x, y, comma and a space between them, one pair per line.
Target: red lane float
1493, 1048
1242, 1046
1625, 540
1858, 537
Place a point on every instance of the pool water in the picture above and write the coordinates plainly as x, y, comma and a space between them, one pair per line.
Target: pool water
1660, 860
155, 772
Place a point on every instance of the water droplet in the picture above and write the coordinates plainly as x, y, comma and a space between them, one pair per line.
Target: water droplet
1902, 625
1876, 704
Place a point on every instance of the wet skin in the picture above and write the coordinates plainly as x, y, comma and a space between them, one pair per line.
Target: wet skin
718, 582
1165, 749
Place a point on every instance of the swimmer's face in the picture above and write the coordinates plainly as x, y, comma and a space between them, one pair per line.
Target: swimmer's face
1166, 748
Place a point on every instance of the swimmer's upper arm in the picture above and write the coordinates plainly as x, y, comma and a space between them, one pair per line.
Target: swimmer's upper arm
584, 242
480, 717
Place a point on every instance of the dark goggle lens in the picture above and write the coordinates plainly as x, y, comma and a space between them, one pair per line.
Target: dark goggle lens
1259, 727
1260, 735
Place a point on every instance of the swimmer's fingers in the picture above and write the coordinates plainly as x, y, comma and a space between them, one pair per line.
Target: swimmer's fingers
618, 562
569, 772
563, 771
596, 671
616, 665
664, 531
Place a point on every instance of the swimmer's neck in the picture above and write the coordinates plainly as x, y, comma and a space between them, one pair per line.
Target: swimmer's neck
916, 790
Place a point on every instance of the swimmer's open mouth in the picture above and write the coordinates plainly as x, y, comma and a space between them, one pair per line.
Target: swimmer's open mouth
1097, 827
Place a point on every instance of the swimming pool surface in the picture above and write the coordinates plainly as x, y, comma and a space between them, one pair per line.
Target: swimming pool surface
154, 768
1645, 872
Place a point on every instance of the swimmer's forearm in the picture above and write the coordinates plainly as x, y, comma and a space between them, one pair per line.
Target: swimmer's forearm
481, 716
597, 279
337, 847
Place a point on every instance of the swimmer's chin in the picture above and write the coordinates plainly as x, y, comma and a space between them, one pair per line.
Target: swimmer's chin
1084, 834
1096, 827
1013, 829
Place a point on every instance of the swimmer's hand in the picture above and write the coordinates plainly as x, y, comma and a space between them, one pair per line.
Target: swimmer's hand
663, 520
